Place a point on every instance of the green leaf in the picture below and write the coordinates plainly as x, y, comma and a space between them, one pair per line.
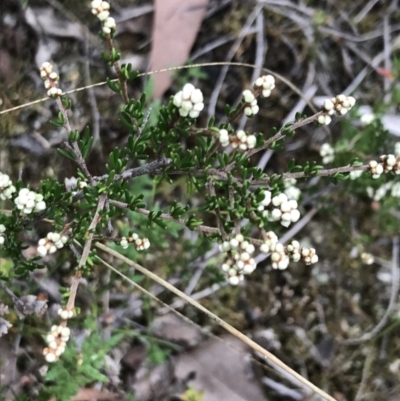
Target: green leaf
114, 86
66, 154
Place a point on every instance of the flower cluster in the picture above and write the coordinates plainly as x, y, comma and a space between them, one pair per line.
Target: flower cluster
309, 255
281, 255
266, 83
381, 192
250, 100
239, 260
51, 243
56, 340
101, 10
223, 137
387, 163
189, 101
279, 208
327, 153
367, 118
2, 231
390, 163
291, 191
340, 104
65, 314
28, 201
6, 187
139, 243
367, 258
375, 168
50, 79
241, 140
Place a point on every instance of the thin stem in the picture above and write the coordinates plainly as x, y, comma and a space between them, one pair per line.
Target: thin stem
85, 254
75, 147
121, 78
217, 210
279, 135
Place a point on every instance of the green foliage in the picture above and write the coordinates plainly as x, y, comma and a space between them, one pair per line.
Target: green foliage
79, 368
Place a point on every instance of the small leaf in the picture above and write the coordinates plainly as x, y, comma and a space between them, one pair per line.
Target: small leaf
66, 154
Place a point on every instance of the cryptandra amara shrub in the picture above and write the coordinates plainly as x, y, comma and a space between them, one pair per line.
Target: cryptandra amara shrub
248, 205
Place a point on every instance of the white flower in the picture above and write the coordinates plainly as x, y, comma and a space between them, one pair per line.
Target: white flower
327, 153
248, 96
239, 260
96, 3
196, 96
367, 258
355, 174
291, 191
108, 25
251, 141
54, 92
340, 104
223, 137
252, 109
51, 243
124, 243
367, 118
29, 201
328, 105
103, 15
189, 101
6, 187
324, 119
375, 168
2, 231
267, 83
395, 191
397, 149
65, 315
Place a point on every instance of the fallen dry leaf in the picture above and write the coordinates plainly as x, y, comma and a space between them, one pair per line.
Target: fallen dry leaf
176, 23
222, 371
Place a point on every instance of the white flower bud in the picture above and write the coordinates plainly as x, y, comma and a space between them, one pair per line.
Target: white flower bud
50, 357
178, 98
103, 15
234, 280
196, 96
42, 250
328, 105
248, 96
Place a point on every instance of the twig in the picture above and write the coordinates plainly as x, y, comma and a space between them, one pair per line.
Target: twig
75, 147
148, 168
367, 8
121, 78
221, 78
365, 375
387, 60
279, 134
217, 211
85, 254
